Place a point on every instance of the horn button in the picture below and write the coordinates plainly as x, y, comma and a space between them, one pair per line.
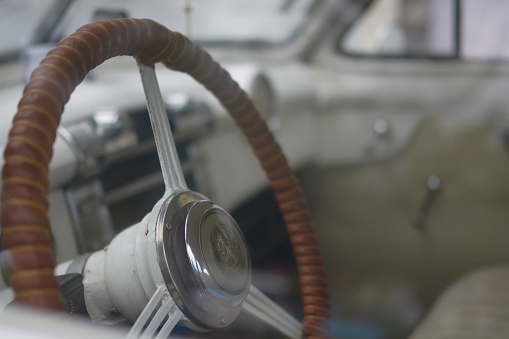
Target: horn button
204, 260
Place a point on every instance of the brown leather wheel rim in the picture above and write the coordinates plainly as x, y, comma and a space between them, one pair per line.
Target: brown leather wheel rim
26, 240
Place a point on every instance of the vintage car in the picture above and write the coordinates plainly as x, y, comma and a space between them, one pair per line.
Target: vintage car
393, 114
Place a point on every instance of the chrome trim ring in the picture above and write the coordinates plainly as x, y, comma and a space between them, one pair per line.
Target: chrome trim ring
204, 260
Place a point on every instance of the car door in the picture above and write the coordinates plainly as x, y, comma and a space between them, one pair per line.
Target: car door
410, 188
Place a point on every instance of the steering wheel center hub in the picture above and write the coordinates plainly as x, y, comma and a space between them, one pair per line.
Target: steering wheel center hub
204, 260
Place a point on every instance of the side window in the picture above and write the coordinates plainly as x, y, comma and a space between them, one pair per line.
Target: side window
467, 29
484, 29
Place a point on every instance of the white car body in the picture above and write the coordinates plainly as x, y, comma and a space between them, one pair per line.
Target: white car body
365, 129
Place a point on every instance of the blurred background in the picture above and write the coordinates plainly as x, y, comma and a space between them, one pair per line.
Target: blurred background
394, 114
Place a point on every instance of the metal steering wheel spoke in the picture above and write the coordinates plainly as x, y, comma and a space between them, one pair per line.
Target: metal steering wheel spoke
262, 307
161, 310
170, 165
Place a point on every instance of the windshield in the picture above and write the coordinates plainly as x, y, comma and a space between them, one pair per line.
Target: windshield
265, 21
221, 23
19, 20
205, 21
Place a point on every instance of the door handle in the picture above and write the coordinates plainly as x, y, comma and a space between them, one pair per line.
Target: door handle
433, 186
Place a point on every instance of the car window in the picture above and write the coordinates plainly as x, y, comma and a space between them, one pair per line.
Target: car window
208, 21
19, 20
484, 29
466, 29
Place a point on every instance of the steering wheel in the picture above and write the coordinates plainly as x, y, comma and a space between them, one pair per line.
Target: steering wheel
190, 257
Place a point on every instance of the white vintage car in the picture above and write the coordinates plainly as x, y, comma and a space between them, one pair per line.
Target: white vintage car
393, 113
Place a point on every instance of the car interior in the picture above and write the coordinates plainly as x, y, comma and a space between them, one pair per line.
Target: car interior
290, 168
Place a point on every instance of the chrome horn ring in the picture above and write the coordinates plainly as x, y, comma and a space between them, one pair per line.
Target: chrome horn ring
204, 260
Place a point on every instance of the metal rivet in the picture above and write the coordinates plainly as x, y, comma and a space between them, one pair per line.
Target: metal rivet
167, 226
223, 322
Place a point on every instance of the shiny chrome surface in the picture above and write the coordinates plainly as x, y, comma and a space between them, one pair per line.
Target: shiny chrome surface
204, 260
166, 149
99, 138
433, 186
218, 252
